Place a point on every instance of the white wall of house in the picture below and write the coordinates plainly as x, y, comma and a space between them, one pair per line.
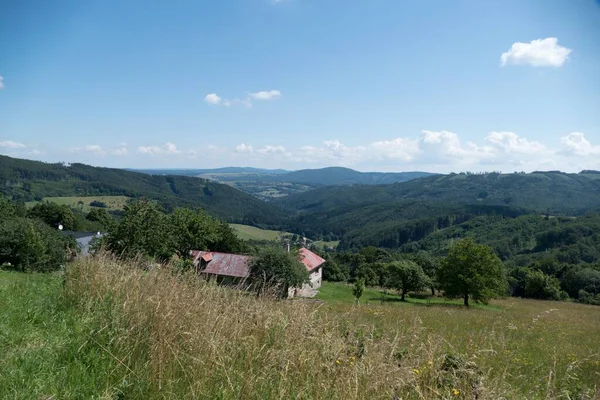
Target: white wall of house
316, 277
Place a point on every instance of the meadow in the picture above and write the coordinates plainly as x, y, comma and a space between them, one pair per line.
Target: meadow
247, 232
104, 329
83, 202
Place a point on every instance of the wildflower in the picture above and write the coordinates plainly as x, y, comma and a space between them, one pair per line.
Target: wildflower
455, 392
416, 371
338, 361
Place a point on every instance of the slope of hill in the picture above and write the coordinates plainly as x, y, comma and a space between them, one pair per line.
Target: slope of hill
560, 193
267, 184
391, 215
345, 176
217, 171
33, 180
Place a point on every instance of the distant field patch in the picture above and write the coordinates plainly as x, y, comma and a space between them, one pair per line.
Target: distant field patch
247, 232
325, 245
83, 202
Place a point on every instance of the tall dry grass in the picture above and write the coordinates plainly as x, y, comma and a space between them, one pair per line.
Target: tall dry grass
177, 336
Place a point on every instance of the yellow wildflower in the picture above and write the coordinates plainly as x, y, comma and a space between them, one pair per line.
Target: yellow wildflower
455, 392
338, 361
416, 371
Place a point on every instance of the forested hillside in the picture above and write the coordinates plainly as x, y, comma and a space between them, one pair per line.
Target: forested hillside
391, 215
344, 176
561, 193
27, 180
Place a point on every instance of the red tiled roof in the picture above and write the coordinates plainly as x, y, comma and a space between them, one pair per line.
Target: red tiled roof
237, 265
224, 264
310, 259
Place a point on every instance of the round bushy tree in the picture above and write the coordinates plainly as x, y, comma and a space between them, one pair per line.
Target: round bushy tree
407, 276
472, 270
275, 268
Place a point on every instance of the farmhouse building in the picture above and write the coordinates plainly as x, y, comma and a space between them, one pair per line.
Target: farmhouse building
235, 268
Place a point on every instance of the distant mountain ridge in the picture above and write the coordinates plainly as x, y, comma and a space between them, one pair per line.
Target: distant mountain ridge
196, 172
334, 176
313, 177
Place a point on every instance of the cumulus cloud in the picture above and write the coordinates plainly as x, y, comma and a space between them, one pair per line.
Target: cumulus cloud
404, 149
168, 149
448, 145
212, 98
537, 53
576, 143
510, 142
9, 144
121, 151
243, 148
92, 148
1, 82
265, 95
272, 150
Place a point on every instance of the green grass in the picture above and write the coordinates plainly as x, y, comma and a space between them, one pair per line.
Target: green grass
48, 347
247, 232
341, 293
83, 203
324, 245
111, 330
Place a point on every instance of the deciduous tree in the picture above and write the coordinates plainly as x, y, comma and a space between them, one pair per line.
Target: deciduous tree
407, 276
472, 270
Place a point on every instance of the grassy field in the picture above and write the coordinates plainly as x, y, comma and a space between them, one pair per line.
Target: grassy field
47, 347
340, 293
323, 245
115, 331
247, 232
112, 202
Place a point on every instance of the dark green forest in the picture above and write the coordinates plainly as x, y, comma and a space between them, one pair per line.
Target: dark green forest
25, 180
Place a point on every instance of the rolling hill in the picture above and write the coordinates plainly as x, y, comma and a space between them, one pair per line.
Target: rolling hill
268, 184
345, 176
210, 171
33, 180
392, 215
558, 192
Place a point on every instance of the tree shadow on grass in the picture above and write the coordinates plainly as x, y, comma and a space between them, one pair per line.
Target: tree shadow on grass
436, 302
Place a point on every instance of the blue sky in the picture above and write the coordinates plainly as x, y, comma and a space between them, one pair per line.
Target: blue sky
392, 85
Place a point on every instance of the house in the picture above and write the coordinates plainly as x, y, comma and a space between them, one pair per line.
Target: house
83, 239
235, 269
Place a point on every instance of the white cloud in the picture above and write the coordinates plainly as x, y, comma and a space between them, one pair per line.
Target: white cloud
121, 151
445, 146
168, 149
265, 95
576, 143
243, 148
171, 148
92, 148
1, 82
537, 53
272, 150
398, 149
9, 144
212, 98
510, 142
